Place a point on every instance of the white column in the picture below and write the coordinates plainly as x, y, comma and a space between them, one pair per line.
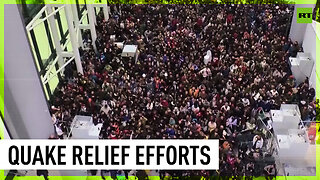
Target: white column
26, 112
92, 18
106, 12
297, 30
77, 23
55, 35
73, 38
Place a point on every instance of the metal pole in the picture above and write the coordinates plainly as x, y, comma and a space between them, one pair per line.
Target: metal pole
55, 36
73, 38
92, 17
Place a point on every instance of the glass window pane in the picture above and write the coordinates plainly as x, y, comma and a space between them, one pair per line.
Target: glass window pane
63, 20
42, 41
45, 88
34, 52
53, 83
85, 20
30, 8
69, 46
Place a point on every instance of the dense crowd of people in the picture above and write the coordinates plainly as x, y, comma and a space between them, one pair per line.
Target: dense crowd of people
203, 72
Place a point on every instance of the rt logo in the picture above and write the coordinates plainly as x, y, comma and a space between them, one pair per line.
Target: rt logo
304, 15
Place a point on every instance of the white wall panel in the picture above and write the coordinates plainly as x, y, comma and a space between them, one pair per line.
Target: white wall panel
26, 110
